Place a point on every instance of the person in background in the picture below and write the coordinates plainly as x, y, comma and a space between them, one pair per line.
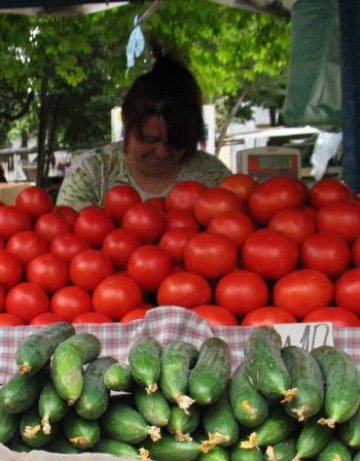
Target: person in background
163, 129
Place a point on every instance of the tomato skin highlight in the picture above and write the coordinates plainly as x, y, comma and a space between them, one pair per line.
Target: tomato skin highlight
34, 200
241, 184
145, 220
26, 245
267, 315
70, 301
89, 267
339, 316
215, 315
49, 271
183, 195
27, 300
295, 223
347, 290
93, 224
328, 190
119, 198
340, 217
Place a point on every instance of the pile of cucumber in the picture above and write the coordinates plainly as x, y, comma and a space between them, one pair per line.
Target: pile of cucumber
174, 402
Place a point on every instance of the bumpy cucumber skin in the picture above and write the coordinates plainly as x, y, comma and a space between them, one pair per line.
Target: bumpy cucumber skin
349, 432
116, 448
168, 448
246, 454
312, 438
30, 429
8, 425
154, 408
118, 377
249, 406
34, 352
265, 366
211, 373
87, 344
144, 361
216, 454
335, 450
81, 432
306, 377
342, 383
21, 392
282, 451
181, 423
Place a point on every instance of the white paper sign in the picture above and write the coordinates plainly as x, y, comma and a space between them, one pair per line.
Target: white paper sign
306, 335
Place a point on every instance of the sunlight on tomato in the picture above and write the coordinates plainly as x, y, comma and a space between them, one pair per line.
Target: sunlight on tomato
183, 195
241, 184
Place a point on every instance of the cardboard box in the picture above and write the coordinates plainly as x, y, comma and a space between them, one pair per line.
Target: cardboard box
9, 191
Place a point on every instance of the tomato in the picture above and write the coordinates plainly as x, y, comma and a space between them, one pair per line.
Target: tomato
184, 289
269, 253
294, 223
11, 270
241, 184
89, 267
339, 316
2, 298
50, 225
66, 246
302, 291
183, 195
327, 252
213, 201
46, 319
355, 252
215, 315
13, 220
144, 220
176, 219
241, 291
274, 194
27, 300
135, 314
70, 301
119, 198
236, 225
328, 190
116, 295
34, 200
118, 245
93, 224
9, 320
49, 271
26, 245
148, 265
210, 254
267, 315
340, 217
92, 317
173, 241
68, 213
347, 290
157, 202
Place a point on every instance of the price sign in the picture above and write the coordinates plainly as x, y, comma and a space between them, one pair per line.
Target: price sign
306, 335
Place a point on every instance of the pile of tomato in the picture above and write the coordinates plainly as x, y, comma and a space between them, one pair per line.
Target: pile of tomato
241, 253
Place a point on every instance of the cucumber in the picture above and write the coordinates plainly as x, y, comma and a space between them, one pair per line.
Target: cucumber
154, 408
87, 345
168, 448
306, 377
31, 431
249, 406
342, 384
356, 456
216, 454
81, 432
265, 365
60, 444
211, 373
116, 448
182, 424
8, 425
144, 361
18, 445
282, 451
52, 408
118, 377
34, 352
177, 358
335, 450
20, 392
94, 398
246, 454
349, 432
312, 438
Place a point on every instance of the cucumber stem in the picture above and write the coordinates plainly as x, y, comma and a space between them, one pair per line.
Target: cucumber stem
289, 394
330, 422
184, 402
154, 432
144, 454
151, 388
46, 426
250, 443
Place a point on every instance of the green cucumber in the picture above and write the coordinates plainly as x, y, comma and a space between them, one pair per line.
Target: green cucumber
265, 365
144, 361
81, 432
211, 373
118, 377
356, 456
282, 451
154, 408
177, 358
216, 454
8, 425
60, 444
31, 430
168, 448
34, 352
307, 378
342, 384
52, 408
87, 345
335, 450
94, 398
312, 438
249, 406
18, 445
246, 454
20, 392
116, 448
349, 432
182, 424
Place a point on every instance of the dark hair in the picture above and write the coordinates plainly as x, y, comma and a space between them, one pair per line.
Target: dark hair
169, 90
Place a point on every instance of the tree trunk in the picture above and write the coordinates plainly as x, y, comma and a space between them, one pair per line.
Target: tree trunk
227, 123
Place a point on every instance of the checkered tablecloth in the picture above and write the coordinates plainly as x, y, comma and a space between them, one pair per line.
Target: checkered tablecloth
166, 323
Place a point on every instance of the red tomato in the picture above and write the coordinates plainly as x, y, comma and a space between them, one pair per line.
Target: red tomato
89, 267
328, 190
269, 253
294, 223
71, 301
274, 194
11, 270
210, 254
241, 291
179, 219
118, 245
157, 202
13, 220
302, 291
26, 245
173, 241
241, 184
116, 295
48, 271
119, 198
347, 290
184, 289
34, 200
135, 314
148, 265
66, 246
355, 252
92, 317
183, 195
236, 225
93, 224
27, 300
340, 217
46, 319
327, 252
144, 220
68, 213
339, 316
9, 320
267, 315
215, 315
50, 225
213, 201
2, 298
